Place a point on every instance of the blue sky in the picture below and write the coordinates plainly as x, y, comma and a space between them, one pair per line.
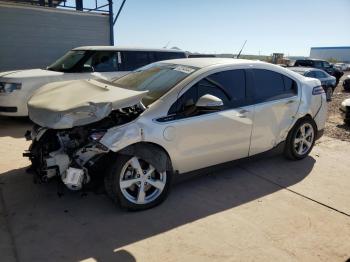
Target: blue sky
221, 26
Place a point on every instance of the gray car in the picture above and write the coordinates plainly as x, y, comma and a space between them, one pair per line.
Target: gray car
328, 82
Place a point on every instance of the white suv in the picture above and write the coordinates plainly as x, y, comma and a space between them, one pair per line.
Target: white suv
170, 117
106, 62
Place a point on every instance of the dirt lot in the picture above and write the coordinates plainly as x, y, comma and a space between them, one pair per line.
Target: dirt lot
335, 126
263, 210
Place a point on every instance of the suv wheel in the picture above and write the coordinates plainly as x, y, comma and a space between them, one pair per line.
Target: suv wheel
329, 93
135, 184
300, 139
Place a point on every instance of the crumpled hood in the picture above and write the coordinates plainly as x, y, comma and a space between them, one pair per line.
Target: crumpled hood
67, 104
29, 73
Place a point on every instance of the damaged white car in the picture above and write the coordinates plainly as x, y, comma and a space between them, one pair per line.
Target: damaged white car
170, 117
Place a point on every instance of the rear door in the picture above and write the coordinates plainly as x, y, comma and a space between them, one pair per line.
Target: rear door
276, 103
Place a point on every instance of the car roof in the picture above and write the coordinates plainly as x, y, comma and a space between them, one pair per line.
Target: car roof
126, 48
210, 61
310, 59
302, 69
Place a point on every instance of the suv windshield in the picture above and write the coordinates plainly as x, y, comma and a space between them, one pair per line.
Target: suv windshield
82, 61
157, 78
67, 62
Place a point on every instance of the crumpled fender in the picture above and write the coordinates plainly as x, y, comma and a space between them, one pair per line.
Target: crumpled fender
120, 137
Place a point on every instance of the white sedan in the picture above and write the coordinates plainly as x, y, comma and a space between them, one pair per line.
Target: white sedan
170, 117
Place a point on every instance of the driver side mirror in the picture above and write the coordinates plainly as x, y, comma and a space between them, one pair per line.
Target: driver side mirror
209, 102
88, 69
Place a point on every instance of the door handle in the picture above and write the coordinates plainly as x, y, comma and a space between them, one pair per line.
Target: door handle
290, 102
243, 111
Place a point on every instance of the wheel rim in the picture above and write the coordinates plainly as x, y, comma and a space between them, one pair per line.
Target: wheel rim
304, 138
140, 182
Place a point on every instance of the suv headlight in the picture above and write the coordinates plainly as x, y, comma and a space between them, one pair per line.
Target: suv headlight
9, 87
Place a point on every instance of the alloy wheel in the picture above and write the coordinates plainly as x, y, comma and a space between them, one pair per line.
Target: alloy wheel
304, 139
140, 182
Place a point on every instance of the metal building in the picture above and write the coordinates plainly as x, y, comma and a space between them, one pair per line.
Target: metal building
338, 53
35, 33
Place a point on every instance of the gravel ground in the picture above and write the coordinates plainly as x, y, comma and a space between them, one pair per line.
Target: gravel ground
335, 126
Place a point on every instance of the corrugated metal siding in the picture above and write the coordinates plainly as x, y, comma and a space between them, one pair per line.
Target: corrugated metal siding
34, 37
341, 54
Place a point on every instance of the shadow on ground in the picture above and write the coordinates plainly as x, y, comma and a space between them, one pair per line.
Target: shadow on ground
14, 126
75, 227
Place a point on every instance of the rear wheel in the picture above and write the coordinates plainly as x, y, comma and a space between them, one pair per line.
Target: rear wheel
329, 93
300, 139
135, 184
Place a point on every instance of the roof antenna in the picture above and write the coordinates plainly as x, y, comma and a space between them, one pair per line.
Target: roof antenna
241, 49
166, 46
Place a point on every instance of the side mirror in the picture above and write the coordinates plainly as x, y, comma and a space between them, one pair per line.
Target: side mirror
88, 68
209, 102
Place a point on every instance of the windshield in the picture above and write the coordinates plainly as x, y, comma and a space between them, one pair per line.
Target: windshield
157, 78
67, 62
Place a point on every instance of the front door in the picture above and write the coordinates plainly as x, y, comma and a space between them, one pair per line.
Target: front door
207, 138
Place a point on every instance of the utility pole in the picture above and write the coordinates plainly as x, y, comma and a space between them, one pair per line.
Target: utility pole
113, 20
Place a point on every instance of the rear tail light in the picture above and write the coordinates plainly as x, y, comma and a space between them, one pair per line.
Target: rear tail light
317, 90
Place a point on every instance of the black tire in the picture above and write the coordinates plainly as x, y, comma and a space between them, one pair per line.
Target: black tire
329, 93
114, 191
290, 151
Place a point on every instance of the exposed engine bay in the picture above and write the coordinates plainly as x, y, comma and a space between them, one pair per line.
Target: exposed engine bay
72, 154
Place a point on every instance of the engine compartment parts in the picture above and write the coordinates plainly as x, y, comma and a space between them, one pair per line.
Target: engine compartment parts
73, 178
70, 153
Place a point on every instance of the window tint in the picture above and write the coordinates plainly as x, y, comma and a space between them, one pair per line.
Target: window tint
326, 64
233, 82
311, 74
290, 86
320, 74
159, 56
185, 105
102, 61
132, 60
318, 64
269, 85
229, 86
303, 63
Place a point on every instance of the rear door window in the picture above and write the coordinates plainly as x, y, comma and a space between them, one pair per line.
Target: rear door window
269, 86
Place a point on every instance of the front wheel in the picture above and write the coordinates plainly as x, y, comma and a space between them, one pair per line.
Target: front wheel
135, 184
300, 139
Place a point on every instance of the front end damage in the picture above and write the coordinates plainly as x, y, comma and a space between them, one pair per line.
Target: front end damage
74, 155
66, 140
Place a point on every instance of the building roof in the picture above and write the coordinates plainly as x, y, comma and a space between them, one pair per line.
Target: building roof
125, 48
331, 47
